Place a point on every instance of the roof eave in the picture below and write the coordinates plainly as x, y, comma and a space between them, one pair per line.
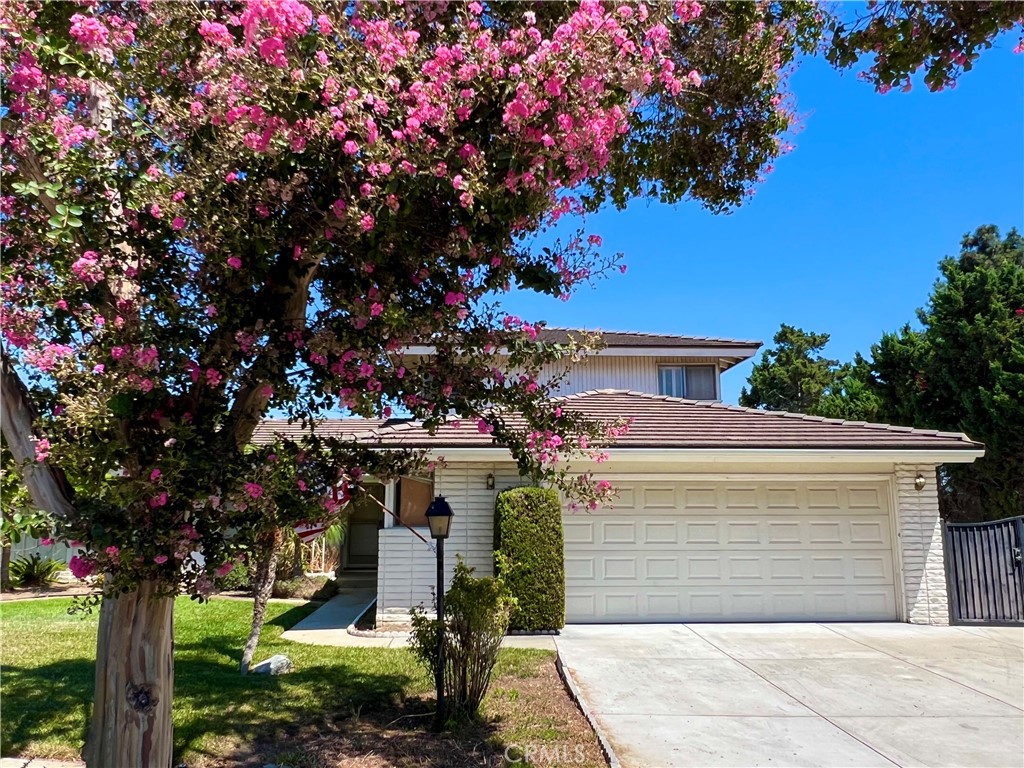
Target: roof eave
952, 455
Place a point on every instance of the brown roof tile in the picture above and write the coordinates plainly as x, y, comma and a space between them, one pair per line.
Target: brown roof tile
345, 429
668, 422
636, 339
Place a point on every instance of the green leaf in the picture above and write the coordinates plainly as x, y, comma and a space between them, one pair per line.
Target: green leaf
121, 405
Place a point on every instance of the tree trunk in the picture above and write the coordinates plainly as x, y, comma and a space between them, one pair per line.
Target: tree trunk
5, 567
263, 585
131, 719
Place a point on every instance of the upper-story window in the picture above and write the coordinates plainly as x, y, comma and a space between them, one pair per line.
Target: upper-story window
695, 382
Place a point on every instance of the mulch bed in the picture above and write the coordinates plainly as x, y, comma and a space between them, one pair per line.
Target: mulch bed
535, 712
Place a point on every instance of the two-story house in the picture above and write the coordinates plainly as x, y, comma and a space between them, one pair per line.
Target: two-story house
723, 513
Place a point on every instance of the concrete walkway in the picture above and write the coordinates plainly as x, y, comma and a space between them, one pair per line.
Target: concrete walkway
802, 694
328, 625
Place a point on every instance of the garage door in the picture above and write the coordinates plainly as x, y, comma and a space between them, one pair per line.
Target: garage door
733, 551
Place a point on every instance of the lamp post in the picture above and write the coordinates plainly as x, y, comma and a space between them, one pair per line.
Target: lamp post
439, 518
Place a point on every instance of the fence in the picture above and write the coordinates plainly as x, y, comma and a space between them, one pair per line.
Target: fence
985, 572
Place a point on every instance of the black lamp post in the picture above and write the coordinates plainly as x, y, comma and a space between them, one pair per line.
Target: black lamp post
439, 518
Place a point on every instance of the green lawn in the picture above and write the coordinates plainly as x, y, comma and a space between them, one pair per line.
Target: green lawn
47, 666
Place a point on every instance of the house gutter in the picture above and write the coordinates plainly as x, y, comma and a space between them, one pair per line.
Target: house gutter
745, 455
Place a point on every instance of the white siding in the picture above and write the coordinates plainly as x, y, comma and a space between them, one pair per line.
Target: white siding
407, 567
609, 372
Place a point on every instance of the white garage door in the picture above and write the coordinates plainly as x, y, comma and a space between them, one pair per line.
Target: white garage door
733, 551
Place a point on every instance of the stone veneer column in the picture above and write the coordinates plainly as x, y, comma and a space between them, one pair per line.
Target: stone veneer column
921, 544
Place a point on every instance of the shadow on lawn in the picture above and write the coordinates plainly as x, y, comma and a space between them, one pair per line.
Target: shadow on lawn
54, 702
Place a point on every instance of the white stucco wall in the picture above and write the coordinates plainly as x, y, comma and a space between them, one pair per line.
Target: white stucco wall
921, 543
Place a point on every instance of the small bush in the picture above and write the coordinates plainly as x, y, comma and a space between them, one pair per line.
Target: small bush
528, 537
476, 616
306, 588
34, 571
237, 579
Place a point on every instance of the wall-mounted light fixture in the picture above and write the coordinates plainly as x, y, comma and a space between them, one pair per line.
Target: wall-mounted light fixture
920, 482
490, 481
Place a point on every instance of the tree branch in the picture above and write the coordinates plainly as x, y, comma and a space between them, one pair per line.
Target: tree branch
46, 483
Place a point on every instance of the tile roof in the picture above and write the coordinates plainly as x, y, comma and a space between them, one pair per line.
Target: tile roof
344, 429
636, 339
669, 422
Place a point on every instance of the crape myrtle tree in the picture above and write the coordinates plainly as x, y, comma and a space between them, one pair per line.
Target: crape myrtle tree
211, 210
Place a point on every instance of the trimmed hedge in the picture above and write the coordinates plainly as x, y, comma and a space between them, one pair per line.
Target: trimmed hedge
528, 537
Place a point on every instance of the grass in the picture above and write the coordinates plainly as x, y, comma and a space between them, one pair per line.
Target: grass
341, 707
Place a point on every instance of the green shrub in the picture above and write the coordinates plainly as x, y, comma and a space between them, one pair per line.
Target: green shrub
34, 571
476, 615
306, 588
528, 538
237, 579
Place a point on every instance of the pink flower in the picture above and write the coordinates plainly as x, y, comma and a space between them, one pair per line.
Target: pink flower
154, 475
255, 490
367, 222
159, 500
87, 268
272, 52
225, 568
81, 568
155, 211
160, 559
484, 428
42, 449
46, 541
451, 298
178, 223
231, 178
234, 262
113, 551
89, 32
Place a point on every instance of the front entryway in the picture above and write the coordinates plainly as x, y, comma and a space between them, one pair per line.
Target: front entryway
742, 550
359, 551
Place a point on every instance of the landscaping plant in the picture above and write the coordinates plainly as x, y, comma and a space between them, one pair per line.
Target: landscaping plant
476, 618
528, 538
35, 571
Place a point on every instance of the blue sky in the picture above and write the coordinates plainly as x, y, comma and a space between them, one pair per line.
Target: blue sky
844, 237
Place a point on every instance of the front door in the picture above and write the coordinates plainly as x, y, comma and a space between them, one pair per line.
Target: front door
365, 520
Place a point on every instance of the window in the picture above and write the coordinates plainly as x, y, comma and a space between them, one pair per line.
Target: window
414, 496
695, 382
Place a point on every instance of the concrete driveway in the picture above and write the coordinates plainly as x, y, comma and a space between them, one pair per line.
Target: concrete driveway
802, 694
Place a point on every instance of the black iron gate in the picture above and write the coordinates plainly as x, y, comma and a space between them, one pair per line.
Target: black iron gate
985, 571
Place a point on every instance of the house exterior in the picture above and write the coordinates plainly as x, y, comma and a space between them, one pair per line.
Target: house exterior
723, 513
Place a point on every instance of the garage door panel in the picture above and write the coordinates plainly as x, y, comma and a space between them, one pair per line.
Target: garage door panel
734, 551
782, 567
607, 604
